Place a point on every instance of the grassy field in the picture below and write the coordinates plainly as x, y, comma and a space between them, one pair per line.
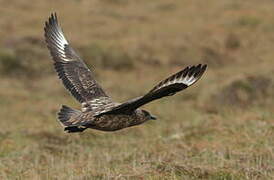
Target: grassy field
222, 128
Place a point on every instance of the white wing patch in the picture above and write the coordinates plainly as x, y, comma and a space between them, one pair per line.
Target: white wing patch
188, 80
56, 37
188, 76
61, 42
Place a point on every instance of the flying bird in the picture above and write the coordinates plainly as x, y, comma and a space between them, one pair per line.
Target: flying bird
98, 110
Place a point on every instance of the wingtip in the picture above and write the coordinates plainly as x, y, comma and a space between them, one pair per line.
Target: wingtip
52, 19
195, 70
53, 15
201, 66
204, 66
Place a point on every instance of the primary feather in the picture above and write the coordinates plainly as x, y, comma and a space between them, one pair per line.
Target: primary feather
76, 76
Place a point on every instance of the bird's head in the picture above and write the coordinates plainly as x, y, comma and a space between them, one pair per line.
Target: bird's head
142, 116
147, 115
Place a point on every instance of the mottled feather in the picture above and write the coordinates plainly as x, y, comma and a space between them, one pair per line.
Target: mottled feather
76, 76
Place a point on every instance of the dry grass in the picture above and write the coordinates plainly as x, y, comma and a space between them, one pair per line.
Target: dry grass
221, 128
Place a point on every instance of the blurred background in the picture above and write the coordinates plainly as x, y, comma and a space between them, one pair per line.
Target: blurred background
220, 128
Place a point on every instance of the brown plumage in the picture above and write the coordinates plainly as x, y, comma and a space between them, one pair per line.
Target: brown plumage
98, 110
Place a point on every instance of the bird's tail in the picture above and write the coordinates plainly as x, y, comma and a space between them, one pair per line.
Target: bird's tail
68, 117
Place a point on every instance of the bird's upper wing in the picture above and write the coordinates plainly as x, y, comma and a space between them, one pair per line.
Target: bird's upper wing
74, 73
173, 84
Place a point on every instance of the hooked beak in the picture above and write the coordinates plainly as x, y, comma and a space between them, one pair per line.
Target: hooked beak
153, 117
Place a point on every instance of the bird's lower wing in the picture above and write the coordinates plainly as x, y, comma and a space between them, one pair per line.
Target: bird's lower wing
170, 86
74, 73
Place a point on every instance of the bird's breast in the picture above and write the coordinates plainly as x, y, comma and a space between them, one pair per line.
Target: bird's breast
113, 122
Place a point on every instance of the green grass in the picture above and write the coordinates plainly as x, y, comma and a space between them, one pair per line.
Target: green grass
220, 129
